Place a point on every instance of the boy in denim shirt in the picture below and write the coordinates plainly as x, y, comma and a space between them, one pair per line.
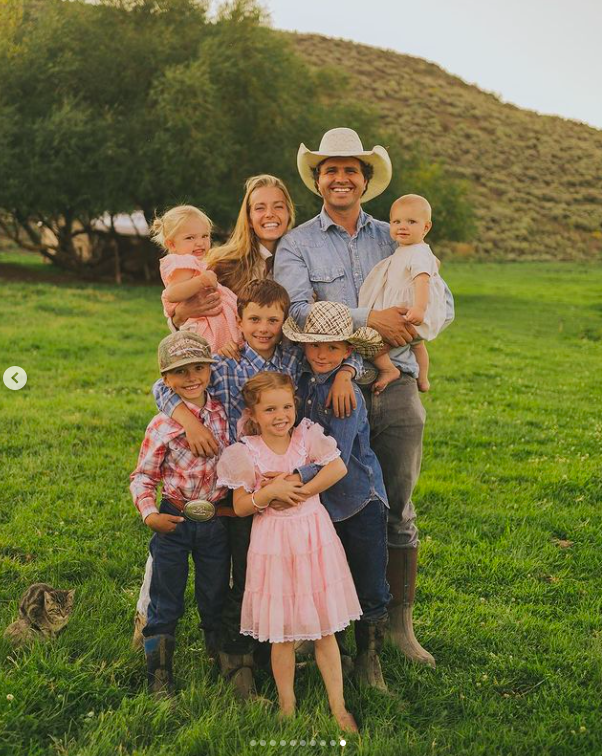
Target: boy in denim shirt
358, 503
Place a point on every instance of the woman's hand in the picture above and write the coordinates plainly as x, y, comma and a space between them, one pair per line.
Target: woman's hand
209, 279
206, 304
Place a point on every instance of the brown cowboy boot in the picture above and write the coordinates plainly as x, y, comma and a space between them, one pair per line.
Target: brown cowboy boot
238, 670
401, 574
159, 650
369, 638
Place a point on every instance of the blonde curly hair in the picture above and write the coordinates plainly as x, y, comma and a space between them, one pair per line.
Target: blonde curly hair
166, 226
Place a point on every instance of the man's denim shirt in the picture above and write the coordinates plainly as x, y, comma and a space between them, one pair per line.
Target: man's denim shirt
364, 479
319, 257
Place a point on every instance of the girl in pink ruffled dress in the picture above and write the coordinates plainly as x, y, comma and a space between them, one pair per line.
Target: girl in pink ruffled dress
185, 233
298, 586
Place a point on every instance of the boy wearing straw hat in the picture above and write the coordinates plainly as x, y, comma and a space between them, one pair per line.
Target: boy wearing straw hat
357, 504
329, 258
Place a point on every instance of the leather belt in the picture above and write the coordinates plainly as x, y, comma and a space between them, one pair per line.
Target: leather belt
202, 510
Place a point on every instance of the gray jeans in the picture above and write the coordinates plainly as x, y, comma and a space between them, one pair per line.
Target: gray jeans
396, 427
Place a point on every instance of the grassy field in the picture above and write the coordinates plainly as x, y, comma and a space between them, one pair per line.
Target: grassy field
509, 597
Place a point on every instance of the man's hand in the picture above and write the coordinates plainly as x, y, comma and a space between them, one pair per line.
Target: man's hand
341, 395
200, 439
205, 304
392, 325
163, 523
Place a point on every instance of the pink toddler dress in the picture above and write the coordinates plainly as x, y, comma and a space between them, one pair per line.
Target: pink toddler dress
217, 330
299, 586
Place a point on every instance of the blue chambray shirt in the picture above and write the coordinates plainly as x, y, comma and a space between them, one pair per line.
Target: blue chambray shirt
320, 257
364, 479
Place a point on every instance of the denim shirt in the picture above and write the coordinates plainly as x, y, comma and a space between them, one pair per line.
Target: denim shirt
364, 479
320, 258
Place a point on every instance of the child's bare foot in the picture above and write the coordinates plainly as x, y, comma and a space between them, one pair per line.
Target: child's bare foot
385, 377
424, 385
345, 720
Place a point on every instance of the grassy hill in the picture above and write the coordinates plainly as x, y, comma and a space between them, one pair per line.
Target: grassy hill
536, 180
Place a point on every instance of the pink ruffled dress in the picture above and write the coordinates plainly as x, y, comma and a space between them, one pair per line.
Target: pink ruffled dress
299, 586
217, 330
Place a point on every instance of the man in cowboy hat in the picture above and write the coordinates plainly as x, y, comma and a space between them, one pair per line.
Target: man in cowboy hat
328, 258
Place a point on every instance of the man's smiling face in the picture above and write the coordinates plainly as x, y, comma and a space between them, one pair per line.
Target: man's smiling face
341, 183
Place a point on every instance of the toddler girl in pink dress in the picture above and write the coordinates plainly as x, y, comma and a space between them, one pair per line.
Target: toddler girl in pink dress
298, 586
185, 233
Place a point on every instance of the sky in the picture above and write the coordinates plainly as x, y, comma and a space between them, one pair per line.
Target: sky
544, 55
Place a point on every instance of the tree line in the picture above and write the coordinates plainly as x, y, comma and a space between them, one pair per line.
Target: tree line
126, 105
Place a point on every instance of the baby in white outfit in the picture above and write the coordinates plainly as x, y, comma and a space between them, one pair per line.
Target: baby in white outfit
408, 278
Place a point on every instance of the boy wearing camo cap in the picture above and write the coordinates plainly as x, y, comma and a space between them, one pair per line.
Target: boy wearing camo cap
189, 520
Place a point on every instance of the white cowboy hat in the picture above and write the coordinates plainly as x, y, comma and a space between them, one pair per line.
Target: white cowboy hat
332, 321
346, 143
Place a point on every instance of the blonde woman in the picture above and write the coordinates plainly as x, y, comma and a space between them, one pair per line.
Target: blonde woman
266, 214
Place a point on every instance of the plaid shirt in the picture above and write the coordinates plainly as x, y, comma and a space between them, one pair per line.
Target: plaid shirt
229, 376
165, 456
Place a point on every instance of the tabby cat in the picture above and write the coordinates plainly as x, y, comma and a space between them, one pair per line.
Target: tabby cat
43, 612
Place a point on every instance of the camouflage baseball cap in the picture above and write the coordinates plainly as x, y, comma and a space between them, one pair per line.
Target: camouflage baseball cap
182, 348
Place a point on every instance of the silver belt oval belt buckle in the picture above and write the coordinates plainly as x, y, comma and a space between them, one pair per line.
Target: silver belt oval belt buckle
199, 510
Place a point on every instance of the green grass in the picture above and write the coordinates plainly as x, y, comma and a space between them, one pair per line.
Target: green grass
509, 596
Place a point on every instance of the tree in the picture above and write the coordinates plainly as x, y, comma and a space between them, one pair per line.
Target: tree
142, 104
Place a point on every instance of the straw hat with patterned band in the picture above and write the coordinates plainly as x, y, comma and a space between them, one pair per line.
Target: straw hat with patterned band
332, 321
346, 143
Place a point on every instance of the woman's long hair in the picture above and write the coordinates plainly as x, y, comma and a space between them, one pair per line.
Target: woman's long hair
235, 262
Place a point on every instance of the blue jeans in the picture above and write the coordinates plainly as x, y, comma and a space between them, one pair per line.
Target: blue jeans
364, 538
208, 544
396, 427
239, 536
